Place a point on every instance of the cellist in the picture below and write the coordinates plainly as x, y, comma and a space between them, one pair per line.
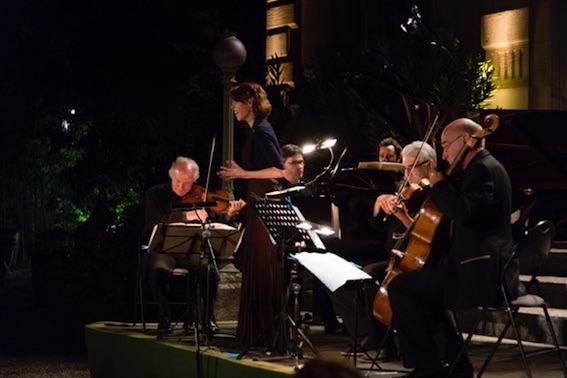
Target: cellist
418, 158
479, 205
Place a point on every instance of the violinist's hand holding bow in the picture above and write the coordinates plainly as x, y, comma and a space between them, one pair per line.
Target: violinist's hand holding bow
389, 204
385, 203
235, 206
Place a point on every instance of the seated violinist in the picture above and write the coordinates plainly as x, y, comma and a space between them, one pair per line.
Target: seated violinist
389, 212
160, 199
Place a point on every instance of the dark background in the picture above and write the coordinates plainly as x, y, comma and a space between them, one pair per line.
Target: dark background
98, 97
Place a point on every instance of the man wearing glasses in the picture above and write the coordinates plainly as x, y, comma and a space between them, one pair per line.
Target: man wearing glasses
479, 206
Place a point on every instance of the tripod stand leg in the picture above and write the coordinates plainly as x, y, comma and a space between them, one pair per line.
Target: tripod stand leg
304, 338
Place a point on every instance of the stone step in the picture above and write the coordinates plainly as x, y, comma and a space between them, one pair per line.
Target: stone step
531, 324
555, 265
228, 296
553, 290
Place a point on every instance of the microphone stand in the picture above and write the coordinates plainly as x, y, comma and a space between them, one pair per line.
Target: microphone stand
212, 260
202, 316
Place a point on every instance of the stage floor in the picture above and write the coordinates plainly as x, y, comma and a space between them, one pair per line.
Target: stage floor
126, 343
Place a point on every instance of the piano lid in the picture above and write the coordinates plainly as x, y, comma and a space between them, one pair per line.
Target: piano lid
381, 165
532, 146
367, 180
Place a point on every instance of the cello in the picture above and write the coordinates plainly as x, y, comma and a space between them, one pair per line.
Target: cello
428, 232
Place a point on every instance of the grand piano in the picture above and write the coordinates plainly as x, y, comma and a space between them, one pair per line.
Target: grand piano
345, 202
530, 144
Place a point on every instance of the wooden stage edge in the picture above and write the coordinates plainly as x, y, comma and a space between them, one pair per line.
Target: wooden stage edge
117, 349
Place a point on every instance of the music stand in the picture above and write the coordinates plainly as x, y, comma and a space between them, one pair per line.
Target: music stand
185, 238
280, 219
334, 272
196, 241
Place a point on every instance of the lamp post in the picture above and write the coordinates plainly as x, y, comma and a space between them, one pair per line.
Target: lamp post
229, 55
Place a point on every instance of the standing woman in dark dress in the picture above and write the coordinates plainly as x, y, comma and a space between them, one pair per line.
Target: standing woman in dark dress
262, 274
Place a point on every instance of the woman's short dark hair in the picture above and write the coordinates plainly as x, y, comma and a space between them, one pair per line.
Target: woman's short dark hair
245, 91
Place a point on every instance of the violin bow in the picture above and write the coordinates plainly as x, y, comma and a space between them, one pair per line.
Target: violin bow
425, 138
210, 166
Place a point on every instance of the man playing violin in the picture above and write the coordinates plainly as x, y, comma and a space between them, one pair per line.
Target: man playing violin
479, 206
390, 214
159, 202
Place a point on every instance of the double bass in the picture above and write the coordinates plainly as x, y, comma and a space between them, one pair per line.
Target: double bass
429, 232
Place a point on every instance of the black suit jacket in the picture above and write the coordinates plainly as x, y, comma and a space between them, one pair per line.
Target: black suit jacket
479, 207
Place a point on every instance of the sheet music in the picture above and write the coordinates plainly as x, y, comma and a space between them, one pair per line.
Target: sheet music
332, 270
179, 237
281, 218
381, 165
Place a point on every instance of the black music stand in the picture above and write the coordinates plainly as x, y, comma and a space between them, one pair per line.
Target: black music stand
174, 238
280, 219
178, 238
196, 241
334, 272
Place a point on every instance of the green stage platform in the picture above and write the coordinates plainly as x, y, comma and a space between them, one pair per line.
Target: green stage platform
122, 350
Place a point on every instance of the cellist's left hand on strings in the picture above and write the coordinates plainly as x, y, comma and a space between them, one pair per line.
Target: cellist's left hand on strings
231, 171
235, 206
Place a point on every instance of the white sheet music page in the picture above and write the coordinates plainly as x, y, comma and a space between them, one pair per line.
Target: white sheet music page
332, 270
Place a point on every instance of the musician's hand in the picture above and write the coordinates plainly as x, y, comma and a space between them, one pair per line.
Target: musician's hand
435, 176
386, 203
196, 215
235, 206
402, 214
231, 171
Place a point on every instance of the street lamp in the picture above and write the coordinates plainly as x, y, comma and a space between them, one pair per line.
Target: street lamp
229, 55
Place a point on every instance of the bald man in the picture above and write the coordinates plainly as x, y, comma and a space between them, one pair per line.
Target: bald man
479, 207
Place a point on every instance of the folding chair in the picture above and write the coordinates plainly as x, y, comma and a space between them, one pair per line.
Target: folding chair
531, 251
141, 301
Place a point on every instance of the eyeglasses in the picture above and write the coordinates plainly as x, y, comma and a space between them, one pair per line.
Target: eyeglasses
446, 145
295, 162
407, 169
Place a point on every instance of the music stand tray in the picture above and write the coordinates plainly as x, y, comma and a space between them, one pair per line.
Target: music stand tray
185, 238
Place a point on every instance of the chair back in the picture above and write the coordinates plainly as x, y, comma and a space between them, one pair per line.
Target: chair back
533, 248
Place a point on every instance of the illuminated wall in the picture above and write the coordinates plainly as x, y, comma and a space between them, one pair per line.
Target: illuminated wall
505, 38
525, 40
282, 37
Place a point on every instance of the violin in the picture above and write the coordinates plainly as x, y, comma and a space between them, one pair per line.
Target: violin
217, 200
413, 195
428, 233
